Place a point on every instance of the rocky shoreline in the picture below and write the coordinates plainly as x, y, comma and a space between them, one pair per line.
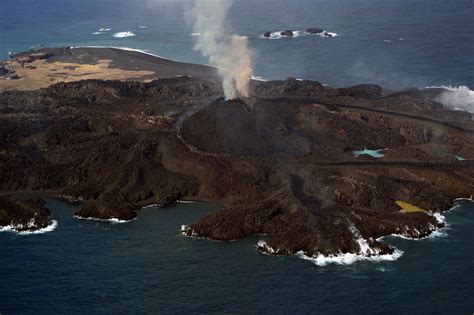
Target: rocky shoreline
280, 162
25, 217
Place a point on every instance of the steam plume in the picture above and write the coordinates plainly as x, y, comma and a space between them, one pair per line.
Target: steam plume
230, 53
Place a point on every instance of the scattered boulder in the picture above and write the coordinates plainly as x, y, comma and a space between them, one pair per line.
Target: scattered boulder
326, 34
287, 33
267, 34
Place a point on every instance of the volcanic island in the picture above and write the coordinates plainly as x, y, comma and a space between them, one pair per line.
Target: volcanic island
317, 170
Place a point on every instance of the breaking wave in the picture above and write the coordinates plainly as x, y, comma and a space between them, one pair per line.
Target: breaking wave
112, 220
124, 34
17, 229
327, 34
435, 232
457, 98
278, 35
366, 253
348, 258
259, 78
296, 34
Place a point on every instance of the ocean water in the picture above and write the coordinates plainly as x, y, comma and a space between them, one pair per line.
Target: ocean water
394, 43
147, 266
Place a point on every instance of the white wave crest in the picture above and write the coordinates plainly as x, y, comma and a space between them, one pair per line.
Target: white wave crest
186, 201
348, 258
259, 78
434, 231
151, 206
266, 249
278, 35
97, 33
457, 98
143, 27
18, 228
103, 29
187, 231
112, 220
195, 34
124, 34
327, 34
366, 253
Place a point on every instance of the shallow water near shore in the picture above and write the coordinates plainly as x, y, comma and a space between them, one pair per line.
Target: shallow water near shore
147, 265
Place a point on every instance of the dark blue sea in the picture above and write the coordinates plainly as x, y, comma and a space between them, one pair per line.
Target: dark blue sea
394, 43
146, 266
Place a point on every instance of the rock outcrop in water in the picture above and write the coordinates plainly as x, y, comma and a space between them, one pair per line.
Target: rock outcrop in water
24, 216
287, 33
314, 30
279, 162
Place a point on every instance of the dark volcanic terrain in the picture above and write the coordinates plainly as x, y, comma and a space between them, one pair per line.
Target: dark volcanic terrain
280, 162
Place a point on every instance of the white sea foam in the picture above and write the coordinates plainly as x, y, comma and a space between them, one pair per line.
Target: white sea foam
97, 33
277, 35
327, 34
143, 26
112, 220
457, 98
124, 34
266, 249
259, 78
150, 206
195, 34
186, 201
187, 231
348, 258
435, 231
387, 40
103, 29
18, 228
366, 253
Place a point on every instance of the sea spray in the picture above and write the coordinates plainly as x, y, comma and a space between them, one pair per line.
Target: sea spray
458, 98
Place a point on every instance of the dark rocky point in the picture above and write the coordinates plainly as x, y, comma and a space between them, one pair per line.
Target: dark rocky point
267, 34
27, 215
314, 30
287, 33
